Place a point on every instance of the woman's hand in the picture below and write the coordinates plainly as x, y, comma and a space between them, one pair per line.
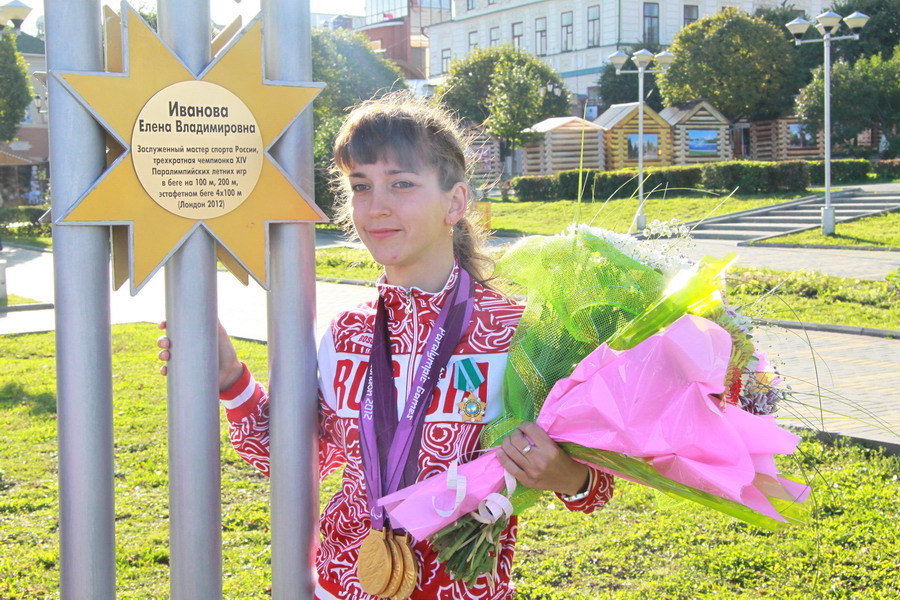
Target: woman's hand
538, 462
230, 368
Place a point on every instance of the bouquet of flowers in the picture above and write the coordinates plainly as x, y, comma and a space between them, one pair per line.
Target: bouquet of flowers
629, 358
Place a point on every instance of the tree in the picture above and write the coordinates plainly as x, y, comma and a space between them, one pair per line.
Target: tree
621, 89
864, 95
351, 70
15, 88
806, 56
739, 63
469, 81
515, 95
881, 35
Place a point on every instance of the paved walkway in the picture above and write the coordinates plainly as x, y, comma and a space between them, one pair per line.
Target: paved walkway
858, 377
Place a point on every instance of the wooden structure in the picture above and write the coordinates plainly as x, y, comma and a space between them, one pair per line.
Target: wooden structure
567, 143
785, 138
487, 169
700, 132
620, 146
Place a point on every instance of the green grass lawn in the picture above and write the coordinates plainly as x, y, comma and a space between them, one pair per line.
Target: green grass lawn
617, 215
42, 242
882, 231
635, 548
12, 300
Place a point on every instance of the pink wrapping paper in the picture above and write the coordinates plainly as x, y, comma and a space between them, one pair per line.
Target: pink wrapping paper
652, 401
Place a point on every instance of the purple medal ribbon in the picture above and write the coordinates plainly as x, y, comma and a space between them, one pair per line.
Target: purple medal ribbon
390, 448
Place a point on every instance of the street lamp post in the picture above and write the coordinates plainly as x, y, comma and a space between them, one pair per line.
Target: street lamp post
642, 59
828, 24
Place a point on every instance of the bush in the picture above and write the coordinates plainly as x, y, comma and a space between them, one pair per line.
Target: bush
568, 183
24, 229
21, 214
754, 177
887, 169
848, 170
681, 178
543, 188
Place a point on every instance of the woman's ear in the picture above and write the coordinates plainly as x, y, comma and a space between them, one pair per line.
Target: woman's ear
459, 201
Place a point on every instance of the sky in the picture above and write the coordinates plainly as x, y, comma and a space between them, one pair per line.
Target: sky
221, 11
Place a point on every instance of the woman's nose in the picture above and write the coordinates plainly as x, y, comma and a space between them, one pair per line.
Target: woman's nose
380, 204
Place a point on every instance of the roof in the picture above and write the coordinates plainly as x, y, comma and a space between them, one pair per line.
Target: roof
685, 110
614, 114
557, 122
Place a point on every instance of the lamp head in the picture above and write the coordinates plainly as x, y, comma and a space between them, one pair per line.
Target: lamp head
798, 27
642, 58
665, 59
15, 12
618, 59
830, 21
856, 21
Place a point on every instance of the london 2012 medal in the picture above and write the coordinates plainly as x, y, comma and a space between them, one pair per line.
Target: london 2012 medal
410, 572
374, 563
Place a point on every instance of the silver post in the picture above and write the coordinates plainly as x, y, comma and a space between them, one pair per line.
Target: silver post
641, 218
292, 346
195, 512
828, 211
81, 296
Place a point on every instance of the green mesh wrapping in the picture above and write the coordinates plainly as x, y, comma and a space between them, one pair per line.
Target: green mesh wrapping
580, 291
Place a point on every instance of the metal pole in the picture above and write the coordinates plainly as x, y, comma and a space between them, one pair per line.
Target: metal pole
293, 433
195, 512
828, 211
81, 292
641, 218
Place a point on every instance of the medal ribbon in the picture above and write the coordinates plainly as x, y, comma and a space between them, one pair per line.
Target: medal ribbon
390, 448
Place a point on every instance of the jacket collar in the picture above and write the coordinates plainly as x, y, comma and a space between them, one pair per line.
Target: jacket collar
396, 296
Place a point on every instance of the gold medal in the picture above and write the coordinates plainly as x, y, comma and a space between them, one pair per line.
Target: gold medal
396, 566
410, 573
471, 408
374, 563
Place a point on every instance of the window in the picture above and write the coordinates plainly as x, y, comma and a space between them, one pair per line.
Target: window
495, 36
691, 13
593, 26
473, 40
445, 60
651, 23
517, 34
491, 2
470, 4
567, 39
540, 36
802, 136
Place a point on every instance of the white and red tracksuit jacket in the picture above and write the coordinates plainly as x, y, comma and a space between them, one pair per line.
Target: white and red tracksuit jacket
343, 358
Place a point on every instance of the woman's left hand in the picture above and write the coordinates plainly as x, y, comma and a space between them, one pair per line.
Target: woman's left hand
538, 462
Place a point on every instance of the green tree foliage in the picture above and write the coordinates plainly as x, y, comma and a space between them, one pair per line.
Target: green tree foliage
806, 56
15, 88
470, 82
866, 94
881, 35
351, 70
621, 89
515, 95
738, 62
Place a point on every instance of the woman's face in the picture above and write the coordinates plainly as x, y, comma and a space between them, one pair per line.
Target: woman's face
404, 218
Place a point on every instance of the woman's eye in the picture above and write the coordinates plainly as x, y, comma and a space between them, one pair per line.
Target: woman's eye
359, 187
403, 184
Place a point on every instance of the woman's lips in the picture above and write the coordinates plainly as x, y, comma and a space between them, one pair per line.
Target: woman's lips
380, 234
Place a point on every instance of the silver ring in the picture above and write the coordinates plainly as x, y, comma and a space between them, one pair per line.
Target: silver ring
526, 449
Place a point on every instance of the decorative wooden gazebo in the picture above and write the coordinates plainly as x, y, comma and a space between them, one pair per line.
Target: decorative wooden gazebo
567, 143
701, 133
620, 138
785, 138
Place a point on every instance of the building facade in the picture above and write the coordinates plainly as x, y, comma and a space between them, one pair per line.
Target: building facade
572, 36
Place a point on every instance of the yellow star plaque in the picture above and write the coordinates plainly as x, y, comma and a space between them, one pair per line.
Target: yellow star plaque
196, 152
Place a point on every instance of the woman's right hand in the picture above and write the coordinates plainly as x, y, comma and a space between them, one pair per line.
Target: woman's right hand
230, 368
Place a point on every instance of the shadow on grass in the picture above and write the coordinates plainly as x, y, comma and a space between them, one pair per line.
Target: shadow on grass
13, 395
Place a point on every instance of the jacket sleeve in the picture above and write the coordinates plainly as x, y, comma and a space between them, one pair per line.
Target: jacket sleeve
601, 490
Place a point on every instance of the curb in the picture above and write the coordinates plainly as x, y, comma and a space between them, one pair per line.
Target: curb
830, 437
24, 307
762, 244
829, 328
6, 242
